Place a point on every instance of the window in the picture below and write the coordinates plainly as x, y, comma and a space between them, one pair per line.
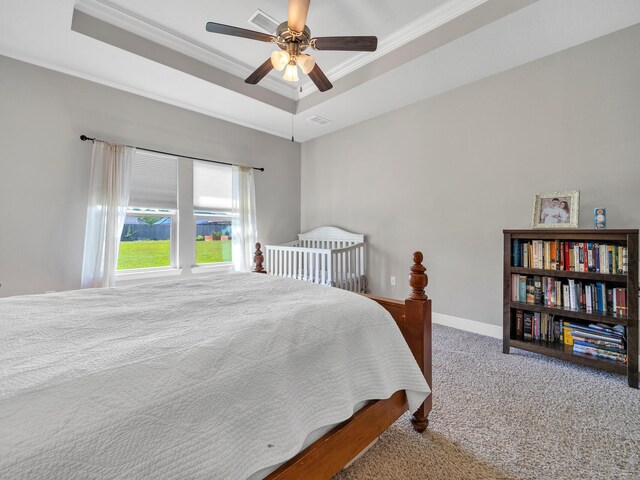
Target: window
149, 234
212, 212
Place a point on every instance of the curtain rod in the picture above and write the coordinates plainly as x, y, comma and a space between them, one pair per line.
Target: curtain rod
84, 138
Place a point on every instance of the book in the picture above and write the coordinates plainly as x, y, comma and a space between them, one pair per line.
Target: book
593, 336
568, 338
580, 262
602, 297
573, 304
566, 303
557, 330
522, 295
526, 328
530, 290
519, 324
597, 344
537, 290
515, 286
596, 352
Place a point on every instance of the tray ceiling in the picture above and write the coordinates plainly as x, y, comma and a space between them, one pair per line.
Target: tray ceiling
161, 50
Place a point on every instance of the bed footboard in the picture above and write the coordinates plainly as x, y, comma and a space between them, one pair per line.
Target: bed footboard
327, 456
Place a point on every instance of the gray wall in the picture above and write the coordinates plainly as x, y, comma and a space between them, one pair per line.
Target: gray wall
446, 175
44, 167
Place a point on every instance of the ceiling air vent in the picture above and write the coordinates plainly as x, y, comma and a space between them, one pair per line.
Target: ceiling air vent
263, 22
319, 120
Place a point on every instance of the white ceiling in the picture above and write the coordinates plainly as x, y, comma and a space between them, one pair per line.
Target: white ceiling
449, 43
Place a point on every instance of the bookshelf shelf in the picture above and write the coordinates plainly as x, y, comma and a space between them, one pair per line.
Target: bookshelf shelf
565, 312
599, 277
565, 352
514, 310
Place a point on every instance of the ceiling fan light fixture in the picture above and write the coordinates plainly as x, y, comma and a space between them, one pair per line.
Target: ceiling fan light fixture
291, 72
306, 63
280, 59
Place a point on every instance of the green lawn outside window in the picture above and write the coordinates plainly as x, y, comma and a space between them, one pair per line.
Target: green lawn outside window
156, 253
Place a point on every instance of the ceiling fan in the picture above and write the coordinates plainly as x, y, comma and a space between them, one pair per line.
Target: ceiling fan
294, 37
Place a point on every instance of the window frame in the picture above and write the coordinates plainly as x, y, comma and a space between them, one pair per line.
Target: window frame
182, 236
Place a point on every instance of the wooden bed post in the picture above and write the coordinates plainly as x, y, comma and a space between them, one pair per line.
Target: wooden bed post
417, 333
258, 260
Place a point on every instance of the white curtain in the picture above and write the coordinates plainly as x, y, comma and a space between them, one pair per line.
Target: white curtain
243, 226
109, 190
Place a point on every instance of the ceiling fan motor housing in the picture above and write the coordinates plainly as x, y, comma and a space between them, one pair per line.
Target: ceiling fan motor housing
292, 42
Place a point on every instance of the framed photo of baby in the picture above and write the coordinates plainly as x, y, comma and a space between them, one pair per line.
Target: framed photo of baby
556, 209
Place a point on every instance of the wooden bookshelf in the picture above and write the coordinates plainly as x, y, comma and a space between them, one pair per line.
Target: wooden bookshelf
629, 280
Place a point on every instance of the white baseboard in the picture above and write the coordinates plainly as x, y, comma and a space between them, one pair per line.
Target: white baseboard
472, 326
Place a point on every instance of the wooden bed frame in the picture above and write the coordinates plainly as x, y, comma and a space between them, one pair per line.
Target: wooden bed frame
328, 455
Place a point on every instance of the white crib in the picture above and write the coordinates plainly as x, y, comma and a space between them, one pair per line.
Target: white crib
327, 256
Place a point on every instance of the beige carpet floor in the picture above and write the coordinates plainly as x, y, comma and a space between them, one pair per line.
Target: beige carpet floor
516, 416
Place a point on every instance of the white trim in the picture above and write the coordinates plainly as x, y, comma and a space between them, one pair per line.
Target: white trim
146, 273
212, 268
121, 18
420, 26
467, 325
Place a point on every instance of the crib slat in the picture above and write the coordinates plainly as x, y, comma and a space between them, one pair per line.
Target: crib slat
333, 270
323, 267
292, 271
311, 266
358, 270
345, 266
352, 268
287, 263
349, 271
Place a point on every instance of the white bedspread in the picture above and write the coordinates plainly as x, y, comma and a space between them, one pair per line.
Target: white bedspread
212, 377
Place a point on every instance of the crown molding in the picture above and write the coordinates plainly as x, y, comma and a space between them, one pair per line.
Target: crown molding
420, 26
121, 18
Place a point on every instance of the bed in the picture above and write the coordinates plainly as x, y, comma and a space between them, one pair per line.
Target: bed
220, 376
327, 256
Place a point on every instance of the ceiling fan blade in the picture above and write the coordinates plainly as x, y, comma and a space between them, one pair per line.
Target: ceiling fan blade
260, 72
298, 10
352, 44
320, 79
238, 32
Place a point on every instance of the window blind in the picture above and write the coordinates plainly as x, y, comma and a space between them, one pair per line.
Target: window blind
154, 182
211, 187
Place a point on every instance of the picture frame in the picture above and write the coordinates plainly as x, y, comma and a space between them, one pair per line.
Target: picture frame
556, 209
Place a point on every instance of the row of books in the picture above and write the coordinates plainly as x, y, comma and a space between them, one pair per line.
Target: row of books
570, 256
569, 294
596, 339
